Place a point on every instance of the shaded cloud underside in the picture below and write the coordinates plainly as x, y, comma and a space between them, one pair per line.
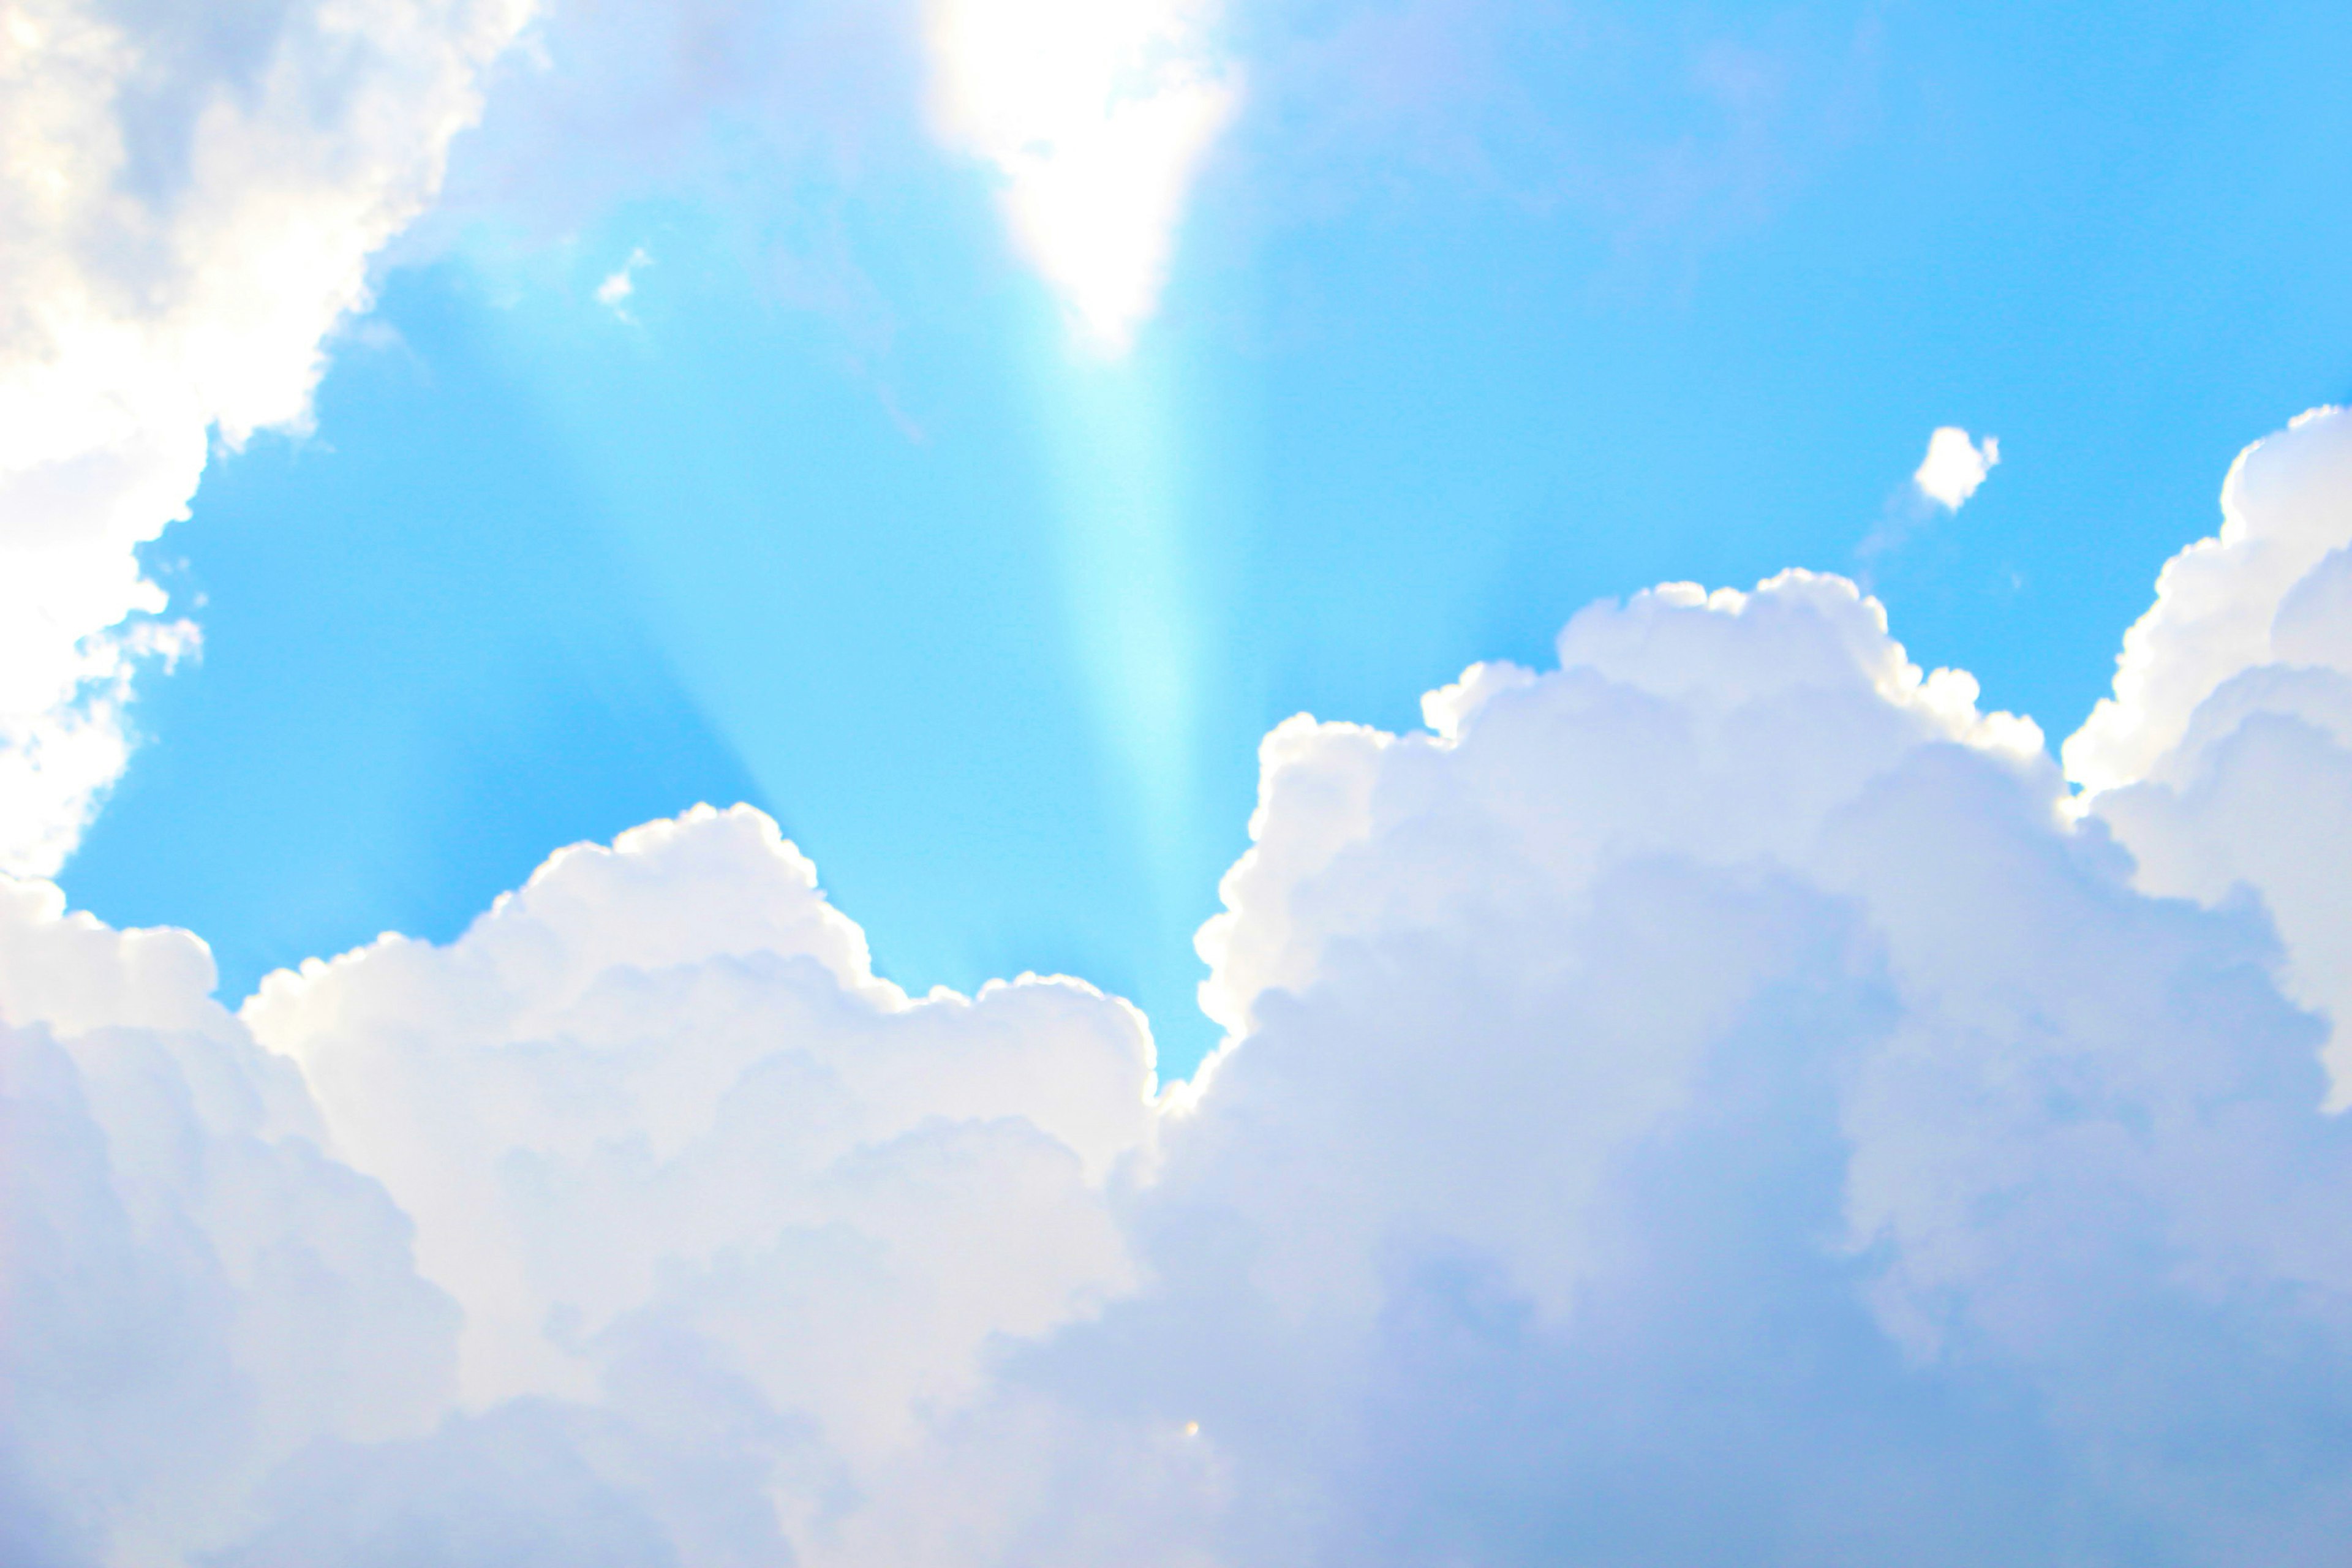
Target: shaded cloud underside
1720, 1100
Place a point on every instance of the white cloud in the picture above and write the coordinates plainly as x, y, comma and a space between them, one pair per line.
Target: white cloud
1954, 467
682, 1174
190, 205
2255, 595
613, 293
193, 1294
1713, 1102
1096, 114
1704, 1104
661, 1087
2224, 757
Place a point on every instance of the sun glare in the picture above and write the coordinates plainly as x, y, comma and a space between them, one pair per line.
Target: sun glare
1096, 117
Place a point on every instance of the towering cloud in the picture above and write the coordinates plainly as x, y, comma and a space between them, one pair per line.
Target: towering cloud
191, 195
1721, 1100
1704, 1104
2224, 759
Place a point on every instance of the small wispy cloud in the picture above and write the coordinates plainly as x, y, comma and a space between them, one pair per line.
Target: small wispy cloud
616, 291
1955, 466
1953, 470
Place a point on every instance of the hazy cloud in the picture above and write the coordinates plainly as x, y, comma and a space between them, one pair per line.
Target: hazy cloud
614, 292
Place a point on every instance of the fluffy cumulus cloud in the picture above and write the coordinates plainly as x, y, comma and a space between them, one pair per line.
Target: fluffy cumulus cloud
2224, 758
1954, 467
1719, 1100
1704, 1104
191, 195
194, 1294
660, 1092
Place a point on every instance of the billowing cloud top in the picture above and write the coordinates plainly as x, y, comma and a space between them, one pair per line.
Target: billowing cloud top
1717, 1100
2222, 760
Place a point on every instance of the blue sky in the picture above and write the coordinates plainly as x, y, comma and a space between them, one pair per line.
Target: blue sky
1477, 313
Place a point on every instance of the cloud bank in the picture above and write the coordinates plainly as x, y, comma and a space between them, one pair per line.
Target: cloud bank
191, 196
1721, 1100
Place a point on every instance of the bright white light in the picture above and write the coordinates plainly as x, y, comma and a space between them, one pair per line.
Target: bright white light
301, 146
1096, 113
1955, 466
614, 291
